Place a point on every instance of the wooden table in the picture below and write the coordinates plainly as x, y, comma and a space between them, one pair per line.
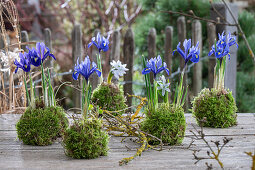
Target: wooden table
13, 154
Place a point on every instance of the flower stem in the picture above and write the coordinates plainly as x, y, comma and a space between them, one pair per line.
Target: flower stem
109, 79
32, 103
99, 65
25, 83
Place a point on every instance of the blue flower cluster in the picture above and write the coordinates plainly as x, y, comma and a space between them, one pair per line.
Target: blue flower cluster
222, 46
34, 57
155, 65
100, 42
193, 54
85, 69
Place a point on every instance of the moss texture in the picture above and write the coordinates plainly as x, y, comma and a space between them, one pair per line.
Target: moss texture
109, 97
41, 126
86, 140
218, 107
167, 123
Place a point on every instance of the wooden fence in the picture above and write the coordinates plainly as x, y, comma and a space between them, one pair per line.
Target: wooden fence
128, 48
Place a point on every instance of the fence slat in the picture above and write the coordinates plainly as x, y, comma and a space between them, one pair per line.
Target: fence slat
197, 71
151, 40
94, 80
231, 65
169, 49
77, 54
128, 52
24, 38
211, 34
115, 49
48, 43
181, 27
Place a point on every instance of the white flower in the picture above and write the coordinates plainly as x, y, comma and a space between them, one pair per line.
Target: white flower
118, 69
163, 85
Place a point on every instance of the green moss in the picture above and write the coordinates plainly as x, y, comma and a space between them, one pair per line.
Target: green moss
41, 126
86, 140
167, 123
218, 107
109, 97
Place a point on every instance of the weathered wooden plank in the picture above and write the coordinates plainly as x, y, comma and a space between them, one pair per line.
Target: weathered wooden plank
77, 52
197, 69
94, 80
181, 28
115, 50
231, 65
169, 50
151, 41
128, 52
13, 154
211, 34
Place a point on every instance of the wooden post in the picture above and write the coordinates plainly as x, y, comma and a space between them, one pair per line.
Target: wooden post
115, 49
231, 65
197, 71
128, 52
169, 49
24, 38
211, 34
77, 54
151, 40
181, 27
48, 43
94, 80
49, 61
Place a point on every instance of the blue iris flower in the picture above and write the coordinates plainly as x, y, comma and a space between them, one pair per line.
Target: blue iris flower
43, 51
34, 57
85, 69
24, 63
38, 55
155, 65
222, 46
100, 42
189, 53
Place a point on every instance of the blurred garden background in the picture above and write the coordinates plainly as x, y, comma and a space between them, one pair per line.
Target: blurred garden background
141, 15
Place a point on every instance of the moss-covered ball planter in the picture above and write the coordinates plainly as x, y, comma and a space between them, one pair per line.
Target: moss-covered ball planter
41, 126
86, 140
167, 123
218, 107
109, 97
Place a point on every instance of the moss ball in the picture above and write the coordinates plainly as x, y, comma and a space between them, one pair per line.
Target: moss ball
41, 126
86, 140
167, 123
109, 97
217, 106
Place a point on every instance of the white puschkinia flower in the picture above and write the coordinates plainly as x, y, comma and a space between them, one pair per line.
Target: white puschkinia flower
118, 69
163, 85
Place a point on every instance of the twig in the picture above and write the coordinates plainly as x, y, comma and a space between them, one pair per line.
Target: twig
199, 18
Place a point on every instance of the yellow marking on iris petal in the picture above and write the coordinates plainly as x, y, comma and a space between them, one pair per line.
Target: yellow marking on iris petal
196, 56
25, 66
218, 53
104, 43
221, 42
75, 72
35, 59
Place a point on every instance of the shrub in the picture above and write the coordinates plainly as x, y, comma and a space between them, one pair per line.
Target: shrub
86, 140
218, 107
109, 97
41, 126
167, 123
